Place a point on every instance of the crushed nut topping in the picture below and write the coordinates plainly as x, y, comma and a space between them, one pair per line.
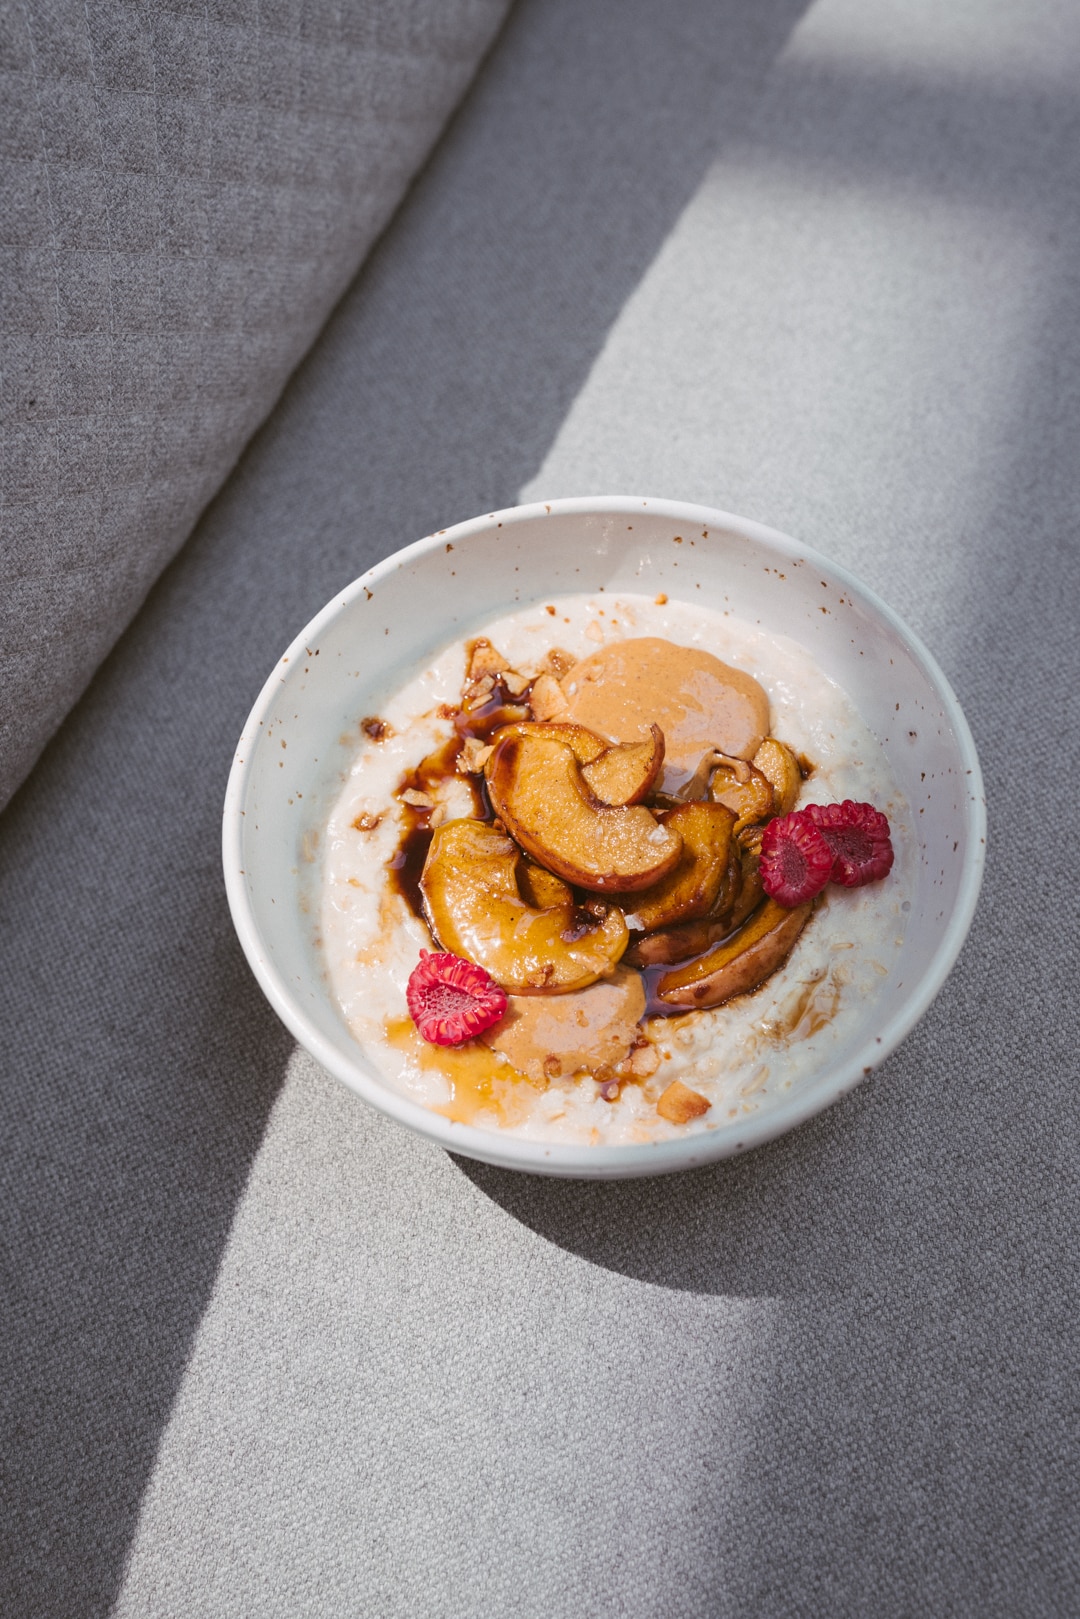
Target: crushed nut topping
547, 698
679, 1104
474, 756
558, 662
484, 659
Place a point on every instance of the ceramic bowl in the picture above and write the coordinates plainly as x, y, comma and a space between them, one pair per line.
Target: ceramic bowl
296, 747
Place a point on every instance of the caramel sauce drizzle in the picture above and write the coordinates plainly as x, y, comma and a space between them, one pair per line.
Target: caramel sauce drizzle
480, 1080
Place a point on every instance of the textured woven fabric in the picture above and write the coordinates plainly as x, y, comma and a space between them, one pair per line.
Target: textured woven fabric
265, 1353
187, 190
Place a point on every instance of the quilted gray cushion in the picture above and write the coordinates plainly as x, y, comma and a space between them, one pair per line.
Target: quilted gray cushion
187, 191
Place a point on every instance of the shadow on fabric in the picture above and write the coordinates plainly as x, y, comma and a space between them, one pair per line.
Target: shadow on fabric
142, 1062
924, 1359
763, 1225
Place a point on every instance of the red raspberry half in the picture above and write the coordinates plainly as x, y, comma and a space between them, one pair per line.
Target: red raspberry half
858, 839
450, 999
795, 859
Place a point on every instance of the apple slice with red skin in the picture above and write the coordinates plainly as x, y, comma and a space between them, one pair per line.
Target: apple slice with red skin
691, 890
538, 792
740, 963
669, 946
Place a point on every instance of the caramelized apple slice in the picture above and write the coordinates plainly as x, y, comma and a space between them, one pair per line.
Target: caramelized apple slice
668, 946
585, 745
751, 798
731, 887
538, 792
625, 773
740, 963
616, 773
751, 889
679, 942
473, 903
781, 770
541, 889
690, 890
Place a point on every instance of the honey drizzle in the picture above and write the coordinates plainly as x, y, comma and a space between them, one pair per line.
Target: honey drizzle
479, 1081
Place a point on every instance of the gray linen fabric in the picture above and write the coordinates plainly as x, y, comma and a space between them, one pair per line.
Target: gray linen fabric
267, 1354
187, 190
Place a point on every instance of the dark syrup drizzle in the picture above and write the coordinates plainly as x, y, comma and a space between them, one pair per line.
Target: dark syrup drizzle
406, 866
407, 862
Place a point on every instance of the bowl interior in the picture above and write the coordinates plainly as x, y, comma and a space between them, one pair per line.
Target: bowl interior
301, 736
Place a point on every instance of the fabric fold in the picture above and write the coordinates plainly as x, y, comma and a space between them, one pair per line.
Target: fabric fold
188, 193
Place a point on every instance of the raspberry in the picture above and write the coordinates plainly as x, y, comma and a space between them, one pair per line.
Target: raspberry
795, 859
858, 839
451, 1000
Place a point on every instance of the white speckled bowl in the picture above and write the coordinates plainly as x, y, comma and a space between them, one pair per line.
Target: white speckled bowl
291, 758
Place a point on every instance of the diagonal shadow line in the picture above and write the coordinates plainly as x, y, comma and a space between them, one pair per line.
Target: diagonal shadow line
147, 1063
932, 1304
751, 1227
1006, 143
116, 1286
473, 327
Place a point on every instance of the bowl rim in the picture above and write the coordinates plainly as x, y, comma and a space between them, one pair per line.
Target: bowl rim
620, 1160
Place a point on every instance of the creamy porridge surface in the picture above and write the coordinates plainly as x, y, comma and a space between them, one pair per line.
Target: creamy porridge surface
739, 1056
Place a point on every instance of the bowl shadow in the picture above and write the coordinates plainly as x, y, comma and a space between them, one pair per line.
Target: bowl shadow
752, 1226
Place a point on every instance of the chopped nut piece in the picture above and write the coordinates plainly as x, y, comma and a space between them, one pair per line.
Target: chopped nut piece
679, 1104
473, 756
644, 1062
365, 822
375, 728
661, 599
438, 816
558, 662
547, 698
514, 683
420, 800
484, 659
595, 631
477, 690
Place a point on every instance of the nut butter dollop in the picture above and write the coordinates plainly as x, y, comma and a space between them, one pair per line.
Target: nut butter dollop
697, 701
545, 1036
